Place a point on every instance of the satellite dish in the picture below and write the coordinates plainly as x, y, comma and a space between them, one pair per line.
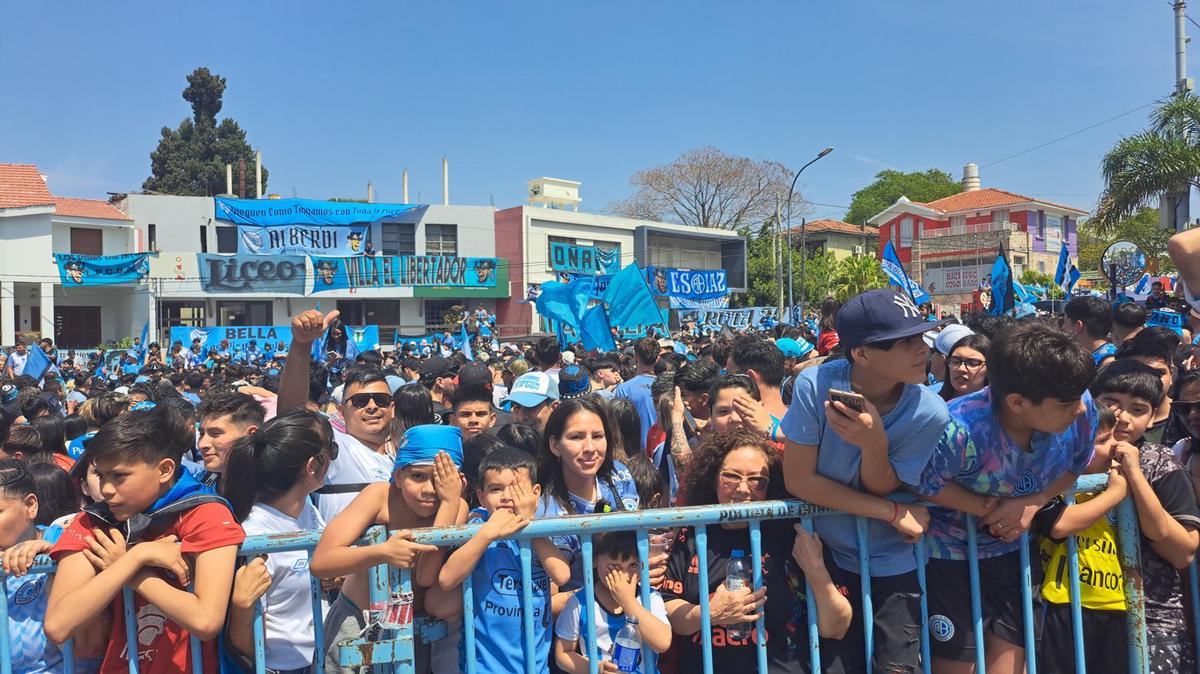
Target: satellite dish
1123, 263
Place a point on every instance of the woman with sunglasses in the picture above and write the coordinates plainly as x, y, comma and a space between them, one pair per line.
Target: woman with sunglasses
1185, 410
966, 367
733, 466
268, 480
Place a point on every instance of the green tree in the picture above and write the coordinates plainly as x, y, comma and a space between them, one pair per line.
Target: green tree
857, 274
811, 286
1141, 228
890, 185
190, 160
1039, 278
1142, 168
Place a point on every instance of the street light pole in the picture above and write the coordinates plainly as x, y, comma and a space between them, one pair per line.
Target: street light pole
803, 233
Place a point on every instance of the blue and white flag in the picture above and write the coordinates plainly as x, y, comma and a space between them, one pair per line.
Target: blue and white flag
1064, 262
1003, 291
895, 272
465, 341
1072, 278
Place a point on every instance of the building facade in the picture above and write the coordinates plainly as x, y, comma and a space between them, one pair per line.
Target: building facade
949, 244
840, 239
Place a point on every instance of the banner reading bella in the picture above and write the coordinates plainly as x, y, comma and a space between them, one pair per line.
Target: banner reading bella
303, 226
365, 338
95, 270
395, 271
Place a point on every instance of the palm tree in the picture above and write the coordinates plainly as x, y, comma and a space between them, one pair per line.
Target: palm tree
857, 274
1142, 168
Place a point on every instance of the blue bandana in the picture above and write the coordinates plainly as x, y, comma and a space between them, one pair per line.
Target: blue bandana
421, 444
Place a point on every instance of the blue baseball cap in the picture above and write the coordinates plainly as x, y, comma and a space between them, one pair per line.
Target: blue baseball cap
532, 389
573, 381
793, 348
880, 316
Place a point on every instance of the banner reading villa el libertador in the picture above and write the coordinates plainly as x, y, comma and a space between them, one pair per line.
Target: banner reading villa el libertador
302, 226
396, 271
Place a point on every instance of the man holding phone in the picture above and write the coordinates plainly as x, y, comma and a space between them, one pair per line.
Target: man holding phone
858, 430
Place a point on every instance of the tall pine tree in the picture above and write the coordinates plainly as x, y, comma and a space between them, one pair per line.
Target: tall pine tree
190, 160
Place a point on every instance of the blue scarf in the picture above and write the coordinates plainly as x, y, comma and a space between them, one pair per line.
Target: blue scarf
185, 494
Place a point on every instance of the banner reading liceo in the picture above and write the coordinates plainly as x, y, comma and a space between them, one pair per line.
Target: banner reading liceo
395, 271
302, 226
94, 270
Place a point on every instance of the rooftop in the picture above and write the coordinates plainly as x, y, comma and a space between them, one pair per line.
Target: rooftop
21, 186
817, 226
984, 198
88, 208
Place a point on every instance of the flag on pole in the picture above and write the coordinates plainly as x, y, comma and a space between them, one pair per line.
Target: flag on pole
895, 272
36, 363
1064, 263
1072, 277
595, 331
630, 304
466, 340
1002, 285
563, 302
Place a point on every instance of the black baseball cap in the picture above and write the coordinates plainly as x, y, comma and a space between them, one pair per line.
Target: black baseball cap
437, 367
574, 381
475, 374
880, 316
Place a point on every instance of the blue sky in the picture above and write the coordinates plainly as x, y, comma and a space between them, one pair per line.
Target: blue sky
339, 93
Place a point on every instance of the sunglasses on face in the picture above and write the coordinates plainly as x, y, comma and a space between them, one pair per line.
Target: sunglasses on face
360, 400
756, 483
1186, 407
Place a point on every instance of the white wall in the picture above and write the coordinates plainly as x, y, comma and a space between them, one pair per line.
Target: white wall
25, 248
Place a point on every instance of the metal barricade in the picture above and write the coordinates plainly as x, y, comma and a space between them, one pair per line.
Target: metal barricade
393, 650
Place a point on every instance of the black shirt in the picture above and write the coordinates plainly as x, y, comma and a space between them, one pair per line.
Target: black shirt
785, 617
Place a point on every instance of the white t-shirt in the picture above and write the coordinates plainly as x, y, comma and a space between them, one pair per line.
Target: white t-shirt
17, 361
569, 626
356, 464
287, 605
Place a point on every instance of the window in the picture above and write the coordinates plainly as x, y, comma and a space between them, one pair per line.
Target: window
441, 240
906, 231
436, 310
958, 224
183, 314
1041, 224
152, 236
244, 313
399, 238
227, 243
1053, 230
203, 238
1041, 266
87, 241
999, 218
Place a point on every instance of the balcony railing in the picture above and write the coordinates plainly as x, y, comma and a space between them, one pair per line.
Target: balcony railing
978, 228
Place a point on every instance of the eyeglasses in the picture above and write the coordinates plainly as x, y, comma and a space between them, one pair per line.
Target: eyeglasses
360, 400
1186, 407
731, 480
969, 363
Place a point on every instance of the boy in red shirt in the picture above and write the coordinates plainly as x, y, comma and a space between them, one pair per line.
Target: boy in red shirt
156, 531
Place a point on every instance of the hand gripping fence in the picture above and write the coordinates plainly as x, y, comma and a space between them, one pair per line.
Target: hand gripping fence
393, 650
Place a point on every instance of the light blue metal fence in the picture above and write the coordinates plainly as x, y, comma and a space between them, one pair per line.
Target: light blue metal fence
393, 650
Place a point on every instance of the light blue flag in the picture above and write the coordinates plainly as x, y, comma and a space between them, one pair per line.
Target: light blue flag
146, 335
1143, 285
564, 302
1064, 262
895, 272
466, 341
1072, 277
1002, 285
595, 331
630, 303
36, 363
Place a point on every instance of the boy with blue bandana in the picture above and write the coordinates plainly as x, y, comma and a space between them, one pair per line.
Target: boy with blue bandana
1007, 451
509, 491
425, 491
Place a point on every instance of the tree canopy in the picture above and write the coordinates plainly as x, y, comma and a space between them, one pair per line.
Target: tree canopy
890, 185
1142, 228
190, 160
708, 188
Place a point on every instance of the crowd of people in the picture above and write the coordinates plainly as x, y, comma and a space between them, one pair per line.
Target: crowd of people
148, 473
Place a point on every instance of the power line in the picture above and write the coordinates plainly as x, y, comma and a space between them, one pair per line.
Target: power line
1073, 133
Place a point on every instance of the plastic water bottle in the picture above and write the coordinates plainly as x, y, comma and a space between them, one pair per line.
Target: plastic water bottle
737, 577
627, 647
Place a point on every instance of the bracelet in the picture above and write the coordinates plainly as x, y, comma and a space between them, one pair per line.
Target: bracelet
774, 432
895, 513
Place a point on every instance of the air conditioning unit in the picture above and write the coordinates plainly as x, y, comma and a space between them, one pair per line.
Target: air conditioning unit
858, 250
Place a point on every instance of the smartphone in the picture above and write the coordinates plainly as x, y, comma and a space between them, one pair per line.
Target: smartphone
852, 400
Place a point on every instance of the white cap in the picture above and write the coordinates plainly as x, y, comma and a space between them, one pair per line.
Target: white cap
946, 339
568, 357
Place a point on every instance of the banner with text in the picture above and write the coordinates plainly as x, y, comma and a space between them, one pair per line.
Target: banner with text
283, 212
692, 284
338, 240
750, 318
239, 336
95, 270
584, 259
395, 271
279, 274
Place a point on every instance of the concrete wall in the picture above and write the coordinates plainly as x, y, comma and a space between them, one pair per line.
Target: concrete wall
26, 253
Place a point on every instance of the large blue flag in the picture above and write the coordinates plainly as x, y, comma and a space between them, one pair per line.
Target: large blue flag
564, 302
1002, 285
630, 303
895, 272
1064, 262
595, 331
36, 363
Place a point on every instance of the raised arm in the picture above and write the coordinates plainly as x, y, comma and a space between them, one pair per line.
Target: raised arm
293, 382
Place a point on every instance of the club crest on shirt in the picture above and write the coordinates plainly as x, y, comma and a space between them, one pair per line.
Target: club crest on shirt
29, 591
1027, 484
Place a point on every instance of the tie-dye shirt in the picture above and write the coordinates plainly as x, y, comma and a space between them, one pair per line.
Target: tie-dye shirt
977, 454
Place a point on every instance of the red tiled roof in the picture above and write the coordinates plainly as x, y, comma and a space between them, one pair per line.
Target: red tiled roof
988, 197
837, 226
88, 208
21, 185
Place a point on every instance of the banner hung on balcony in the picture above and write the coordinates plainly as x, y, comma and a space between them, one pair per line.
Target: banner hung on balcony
396, 271
95, 270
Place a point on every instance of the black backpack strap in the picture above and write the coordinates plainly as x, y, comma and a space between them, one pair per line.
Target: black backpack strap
342, 488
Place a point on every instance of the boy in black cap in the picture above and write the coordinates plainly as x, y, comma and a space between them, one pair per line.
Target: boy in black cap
851, 460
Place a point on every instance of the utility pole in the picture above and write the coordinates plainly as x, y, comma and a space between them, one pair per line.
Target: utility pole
1182, 83
779, 258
